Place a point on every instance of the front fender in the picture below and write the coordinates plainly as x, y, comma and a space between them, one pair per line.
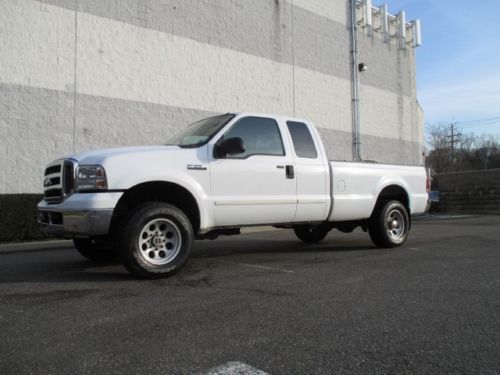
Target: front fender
185, 180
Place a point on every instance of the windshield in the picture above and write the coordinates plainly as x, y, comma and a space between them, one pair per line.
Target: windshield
200, 132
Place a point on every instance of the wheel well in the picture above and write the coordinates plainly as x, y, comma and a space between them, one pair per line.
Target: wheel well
158, 191
394, 192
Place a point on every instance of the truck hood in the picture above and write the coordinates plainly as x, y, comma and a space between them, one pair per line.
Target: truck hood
127, 166
100, 156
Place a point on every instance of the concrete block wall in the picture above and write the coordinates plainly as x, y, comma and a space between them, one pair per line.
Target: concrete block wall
472, 192
81, 74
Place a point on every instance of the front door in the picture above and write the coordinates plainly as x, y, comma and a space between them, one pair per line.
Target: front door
257, 186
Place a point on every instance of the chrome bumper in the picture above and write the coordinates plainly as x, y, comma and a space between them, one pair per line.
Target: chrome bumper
69, 223
86, 214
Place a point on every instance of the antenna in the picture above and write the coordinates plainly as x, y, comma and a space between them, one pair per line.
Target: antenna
417, 34
389, 25
385, 20
367, 15
402, 24
402, 28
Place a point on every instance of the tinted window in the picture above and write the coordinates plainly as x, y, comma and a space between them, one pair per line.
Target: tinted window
302, 140
261, 136
200, 132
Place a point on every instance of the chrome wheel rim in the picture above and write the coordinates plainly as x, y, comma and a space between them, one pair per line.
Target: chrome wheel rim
159, 242
395, 224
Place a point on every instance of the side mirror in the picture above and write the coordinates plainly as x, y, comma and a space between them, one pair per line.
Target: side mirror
230, 146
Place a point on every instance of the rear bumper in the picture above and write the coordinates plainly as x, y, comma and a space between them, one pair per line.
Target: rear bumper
433, 198
79, 214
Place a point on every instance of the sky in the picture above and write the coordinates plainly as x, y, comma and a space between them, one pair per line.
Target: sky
458, 64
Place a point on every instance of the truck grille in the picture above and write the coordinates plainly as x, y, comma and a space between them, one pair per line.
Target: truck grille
59, 179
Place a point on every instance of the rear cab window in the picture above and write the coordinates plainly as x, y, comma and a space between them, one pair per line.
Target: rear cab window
303, 142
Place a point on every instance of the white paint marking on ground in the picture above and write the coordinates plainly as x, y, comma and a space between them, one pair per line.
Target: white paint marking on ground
451, 216
235, 368
441, 216
265, 267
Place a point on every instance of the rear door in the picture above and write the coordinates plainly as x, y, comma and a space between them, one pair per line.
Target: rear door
311, 172
259, 185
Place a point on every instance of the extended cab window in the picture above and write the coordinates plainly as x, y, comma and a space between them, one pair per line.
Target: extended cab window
302, 140
261, 136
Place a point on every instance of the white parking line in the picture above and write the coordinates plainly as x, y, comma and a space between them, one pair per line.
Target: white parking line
441, 216
235, 368
265, 267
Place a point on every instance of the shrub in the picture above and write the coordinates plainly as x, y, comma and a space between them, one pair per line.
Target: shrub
18, 220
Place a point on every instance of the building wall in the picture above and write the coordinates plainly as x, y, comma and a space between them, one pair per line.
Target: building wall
81, 74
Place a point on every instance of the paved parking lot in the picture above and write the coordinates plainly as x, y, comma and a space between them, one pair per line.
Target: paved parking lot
264, 301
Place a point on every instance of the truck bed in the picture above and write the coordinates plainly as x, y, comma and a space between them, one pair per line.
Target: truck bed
356, 186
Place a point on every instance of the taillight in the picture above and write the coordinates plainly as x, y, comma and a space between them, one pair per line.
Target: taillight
428, 184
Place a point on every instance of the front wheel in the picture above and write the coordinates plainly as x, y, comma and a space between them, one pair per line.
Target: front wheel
156, 240
311, 233
389, 225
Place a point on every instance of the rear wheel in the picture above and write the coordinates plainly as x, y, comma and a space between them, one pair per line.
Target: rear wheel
311, 233
156, 240
96, 250
389, 225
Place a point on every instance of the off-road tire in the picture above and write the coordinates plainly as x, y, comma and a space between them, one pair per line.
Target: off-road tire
155, 241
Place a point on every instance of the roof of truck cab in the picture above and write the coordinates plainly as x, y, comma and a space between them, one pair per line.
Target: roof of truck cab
271, 115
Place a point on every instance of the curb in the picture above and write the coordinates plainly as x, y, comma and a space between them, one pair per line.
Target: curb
68, 244
35, 246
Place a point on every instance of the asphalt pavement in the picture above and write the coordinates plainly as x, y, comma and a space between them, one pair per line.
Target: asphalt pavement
263, 303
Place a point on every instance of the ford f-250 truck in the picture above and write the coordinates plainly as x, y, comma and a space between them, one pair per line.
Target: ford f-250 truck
148, 204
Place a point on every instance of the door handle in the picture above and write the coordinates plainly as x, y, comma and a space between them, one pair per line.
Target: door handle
290, 173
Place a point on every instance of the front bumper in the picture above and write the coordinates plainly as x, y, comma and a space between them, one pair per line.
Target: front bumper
70, 223
79, 215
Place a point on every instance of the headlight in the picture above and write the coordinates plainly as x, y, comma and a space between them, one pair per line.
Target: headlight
91, 177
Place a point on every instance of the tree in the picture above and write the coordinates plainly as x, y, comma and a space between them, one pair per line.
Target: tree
451, 151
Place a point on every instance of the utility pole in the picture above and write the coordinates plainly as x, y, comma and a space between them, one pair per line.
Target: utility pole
454, 138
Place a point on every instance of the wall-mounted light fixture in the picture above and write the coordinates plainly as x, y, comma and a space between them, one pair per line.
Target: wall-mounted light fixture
362, 67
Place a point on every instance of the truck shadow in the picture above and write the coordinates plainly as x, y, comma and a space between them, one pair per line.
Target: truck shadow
67, 266
230, 246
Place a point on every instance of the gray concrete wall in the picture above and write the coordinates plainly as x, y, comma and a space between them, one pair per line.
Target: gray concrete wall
472, 192
80, 74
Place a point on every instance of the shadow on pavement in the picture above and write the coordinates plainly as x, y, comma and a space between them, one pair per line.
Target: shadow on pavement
67, 266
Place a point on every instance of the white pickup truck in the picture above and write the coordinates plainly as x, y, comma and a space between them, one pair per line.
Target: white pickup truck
147, 205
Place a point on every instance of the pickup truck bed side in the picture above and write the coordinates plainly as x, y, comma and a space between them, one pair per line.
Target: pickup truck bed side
357, 186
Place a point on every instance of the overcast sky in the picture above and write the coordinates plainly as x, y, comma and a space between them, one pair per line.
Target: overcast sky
458, 65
